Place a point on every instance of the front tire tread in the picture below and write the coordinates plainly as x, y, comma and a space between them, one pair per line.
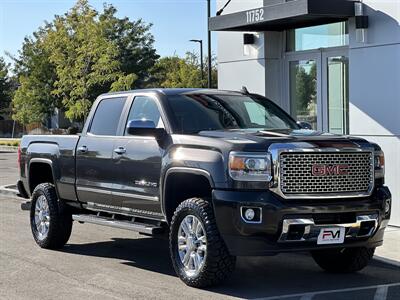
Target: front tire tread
348, 260
219, 263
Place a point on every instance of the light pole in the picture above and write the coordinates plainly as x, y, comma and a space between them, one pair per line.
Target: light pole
201, 59
209, 43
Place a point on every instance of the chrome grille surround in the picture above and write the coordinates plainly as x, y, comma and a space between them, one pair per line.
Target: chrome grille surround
279, 186
296, 176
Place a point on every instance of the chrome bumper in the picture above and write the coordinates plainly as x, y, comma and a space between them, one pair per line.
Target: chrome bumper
305, 230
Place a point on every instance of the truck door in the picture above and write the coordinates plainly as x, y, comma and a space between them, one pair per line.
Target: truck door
95, 170
138, 161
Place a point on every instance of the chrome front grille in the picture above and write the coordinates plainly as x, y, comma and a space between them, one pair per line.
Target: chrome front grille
297, 175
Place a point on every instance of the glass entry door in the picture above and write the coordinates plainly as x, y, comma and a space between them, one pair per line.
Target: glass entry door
335, 84
303, 88
318, 88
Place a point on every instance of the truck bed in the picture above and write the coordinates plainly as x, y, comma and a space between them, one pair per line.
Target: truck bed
57, 150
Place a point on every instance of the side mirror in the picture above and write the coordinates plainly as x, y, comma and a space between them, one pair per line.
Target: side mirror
144, 128
304, 125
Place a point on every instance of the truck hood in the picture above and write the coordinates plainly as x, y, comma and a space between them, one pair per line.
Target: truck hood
259, 140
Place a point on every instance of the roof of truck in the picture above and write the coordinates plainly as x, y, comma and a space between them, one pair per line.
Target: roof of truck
177, 91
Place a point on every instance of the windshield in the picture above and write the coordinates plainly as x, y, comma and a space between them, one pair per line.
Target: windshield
197, 112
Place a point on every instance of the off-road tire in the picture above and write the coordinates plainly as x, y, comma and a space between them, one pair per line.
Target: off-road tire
60, 218
346, 260
218, 262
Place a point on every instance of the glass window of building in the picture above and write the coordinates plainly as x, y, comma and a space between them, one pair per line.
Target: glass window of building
322, 36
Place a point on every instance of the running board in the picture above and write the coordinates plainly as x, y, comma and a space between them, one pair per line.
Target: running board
133, 226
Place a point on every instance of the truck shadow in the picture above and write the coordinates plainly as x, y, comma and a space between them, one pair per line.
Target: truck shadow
254, 277
146, 253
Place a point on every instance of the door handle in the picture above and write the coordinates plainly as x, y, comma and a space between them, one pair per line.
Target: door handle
120, 150
82, 149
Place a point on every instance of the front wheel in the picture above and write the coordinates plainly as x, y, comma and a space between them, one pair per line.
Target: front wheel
199, 255
346, 260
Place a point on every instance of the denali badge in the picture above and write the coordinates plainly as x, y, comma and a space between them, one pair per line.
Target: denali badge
146, 183
328, 170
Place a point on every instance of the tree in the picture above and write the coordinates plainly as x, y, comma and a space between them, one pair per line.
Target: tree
176, 72
34, 100
76, 57
6, 86
135, 45
305, 87
214, 72
86, 60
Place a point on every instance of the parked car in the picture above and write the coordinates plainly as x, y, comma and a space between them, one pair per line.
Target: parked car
225, 174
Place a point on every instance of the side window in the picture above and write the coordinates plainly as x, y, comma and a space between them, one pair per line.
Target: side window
145, 108
106, 117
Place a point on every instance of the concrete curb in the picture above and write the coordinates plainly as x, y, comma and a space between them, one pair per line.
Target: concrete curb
9, 190
387, 261
8, 149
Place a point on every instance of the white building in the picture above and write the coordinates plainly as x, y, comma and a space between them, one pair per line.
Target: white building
322, 64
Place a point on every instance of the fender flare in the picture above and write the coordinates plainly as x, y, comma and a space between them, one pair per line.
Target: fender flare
46, 161
174, 170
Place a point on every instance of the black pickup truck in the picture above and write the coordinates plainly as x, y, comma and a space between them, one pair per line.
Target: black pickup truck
223, 174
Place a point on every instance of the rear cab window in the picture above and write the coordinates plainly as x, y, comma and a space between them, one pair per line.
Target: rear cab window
107, 116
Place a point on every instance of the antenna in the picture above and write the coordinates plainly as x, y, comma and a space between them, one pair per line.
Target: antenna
244, 90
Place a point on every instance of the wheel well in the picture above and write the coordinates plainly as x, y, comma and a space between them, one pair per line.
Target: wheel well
182, 186
39, 173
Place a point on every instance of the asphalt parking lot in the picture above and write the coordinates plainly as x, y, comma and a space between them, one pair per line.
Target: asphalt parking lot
106, 263
8, 168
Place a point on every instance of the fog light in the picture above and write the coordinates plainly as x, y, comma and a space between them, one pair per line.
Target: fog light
249, 214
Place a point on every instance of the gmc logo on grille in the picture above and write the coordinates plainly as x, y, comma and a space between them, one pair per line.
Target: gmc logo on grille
328, 170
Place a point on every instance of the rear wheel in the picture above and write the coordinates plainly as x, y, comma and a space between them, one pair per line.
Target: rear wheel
198, 253
51, 220
346, 260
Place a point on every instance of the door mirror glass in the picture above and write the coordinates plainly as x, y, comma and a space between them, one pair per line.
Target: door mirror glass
144, 127
304, 125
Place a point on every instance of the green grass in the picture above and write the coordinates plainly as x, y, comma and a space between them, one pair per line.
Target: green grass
9, 142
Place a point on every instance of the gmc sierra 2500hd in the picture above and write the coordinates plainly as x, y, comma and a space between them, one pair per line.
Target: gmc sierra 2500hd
225, 174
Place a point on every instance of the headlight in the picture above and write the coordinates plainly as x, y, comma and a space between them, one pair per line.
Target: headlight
250, 167
379, 163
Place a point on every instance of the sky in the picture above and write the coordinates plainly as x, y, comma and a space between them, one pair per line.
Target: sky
175, 22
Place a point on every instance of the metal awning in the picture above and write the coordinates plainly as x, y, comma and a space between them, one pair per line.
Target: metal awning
287, 15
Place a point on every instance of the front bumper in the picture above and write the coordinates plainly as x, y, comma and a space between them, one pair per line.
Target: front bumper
268, 237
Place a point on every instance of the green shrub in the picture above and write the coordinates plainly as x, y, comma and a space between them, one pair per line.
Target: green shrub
12, 143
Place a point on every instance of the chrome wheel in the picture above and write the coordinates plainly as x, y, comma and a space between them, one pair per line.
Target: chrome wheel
42, 217
192, 245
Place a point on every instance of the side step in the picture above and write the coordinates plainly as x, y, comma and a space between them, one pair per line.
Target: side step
26, 205
134, 226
